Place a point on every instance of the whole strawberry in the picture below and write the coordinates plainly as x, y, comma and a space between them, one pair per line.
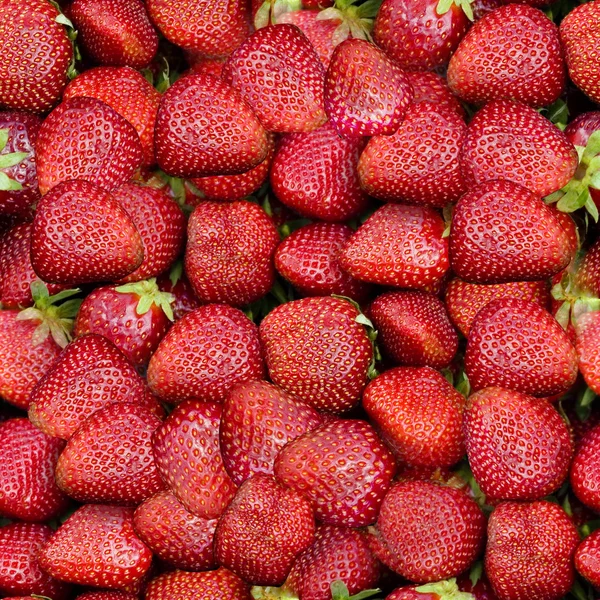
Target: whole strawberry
220, 584
587, 558
585, 469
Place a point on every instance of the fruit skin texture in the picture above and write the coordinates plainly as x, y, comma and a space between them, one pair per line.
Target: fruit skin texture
585, 469
316, 351
587, 558
588, 348
431, 87
518, 345
513, 52
418, 414
427, 531
519, 447
196, 358
529, 552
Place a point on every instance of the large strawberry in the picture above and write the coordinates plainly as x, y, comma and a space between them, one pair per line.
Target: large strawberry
220, 584
586, 468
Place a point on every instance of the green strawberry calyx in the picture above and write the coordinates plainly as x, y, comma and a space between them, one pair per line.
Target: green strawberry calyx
446, 590
270, 11
574, 302
443, 6
7, 160
356, 20
149, 294
63, 20
54, 319
339, 591
272, 593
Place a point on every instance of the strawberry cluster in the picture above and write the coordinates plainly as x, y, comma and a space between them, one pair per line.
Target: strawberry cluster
299, 301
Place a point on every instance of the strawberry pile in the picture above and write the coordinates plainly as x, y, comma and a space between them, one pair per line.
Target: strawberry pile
299, 301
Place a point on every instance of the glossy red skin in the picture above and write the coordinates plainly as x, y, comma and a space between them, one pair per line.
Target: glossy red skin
112, 314
36, 54
196, 359
20, 572
428, 86
199, 481
106, 596
587, 274
415, 36
176, 536
587, 558
180, 585
518, 345
482, 590
585, 469
185, 299
587, 344
418, 414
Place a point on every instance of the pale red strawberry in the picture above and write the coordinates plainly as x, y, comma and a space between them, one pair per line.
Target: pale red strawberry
587, 344
176, 536
428, 86
587, 558
207, 585
293, 103
205, 354
585, 468
399, 246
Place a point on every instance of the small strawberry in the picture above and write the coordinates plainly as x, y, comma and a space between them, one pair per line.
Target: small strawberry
587, 558
176, 283
585, 469
587, 273
431, 87
441, 590
587, 344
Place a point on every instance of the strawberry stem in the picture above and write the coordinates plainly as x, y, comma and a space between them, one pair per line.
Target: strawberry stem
356, 21
272, 593
339, 591
445, 590
149, 294
444, 6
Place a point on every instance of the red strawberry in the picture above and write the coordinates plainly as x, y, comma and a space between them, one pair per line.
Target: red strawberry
529, 551
419, 415
587, 273
428, 130
177, 284
205, 354
510, 140
513, 52
36, 54
400, 246
431, 87
315, 175
208, 585
503, 232
316, 349
204, 127
585, 469
431, 591
518, 345
117, 32
199, 63
229, 252
587, 558
106, 596
97, 546
84, 138
176, 536
587, 344
187, 454
290, 103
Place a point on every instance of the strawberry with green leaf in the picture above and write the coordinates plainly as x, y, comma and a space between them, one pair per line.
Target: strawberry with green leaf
220, 584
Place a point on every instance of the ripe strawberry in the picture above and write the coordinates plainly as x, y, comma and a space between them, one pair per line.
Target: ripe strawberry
177, 284
229, 252
431, 87
36, 53
431, 591
187, 454
428, 130
414, 329
427, 531
587, 558
510, 140
106, 596
587, 273
205, 354
529, 551
207, 585
587, 344
513, 52
84, 138
519, 447
97, 546
585, 468
176, 536
419, 416
293, 103
117, 32
199, 63
503, 232
400, 246
314, 174
204, 127
580, 37
518, 345
317, 350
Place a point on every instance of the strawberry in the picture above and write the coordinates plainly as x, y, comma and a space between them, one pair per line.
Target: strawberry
587, 274
431, 591
400, 246
199, 63
314, 174
90, 374
317, 350
588, 348
513, 52
418, 414
430, 87
84, 138
529, 552
106, 596
117, 32
207, 585
248, 441
510, 140
427, 531
187, 454
587, 558
97, 546
519, 447
177, 284
503, 232
518, 345
309, 259
580, 37
205, 354
292, 103
585, 468
427, 130
176, 536
229, 252
204, 127
36, 54
414, 329
28, 490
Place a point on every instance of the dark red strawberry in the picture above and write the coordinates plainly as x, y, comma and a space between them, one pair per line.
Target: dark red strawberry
587, 558
529, 552
177, 284
587, 273
181, 585
585, 469
440, 590
587, 344
106, 596
430, 87
205, 354
518, 345
418, 414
